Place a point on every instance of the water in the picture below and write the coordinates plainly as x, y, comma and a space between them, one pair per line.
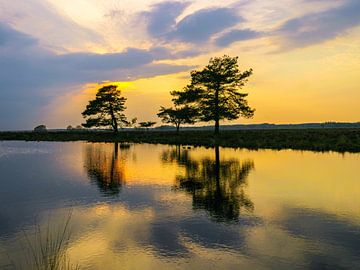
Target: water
142, 206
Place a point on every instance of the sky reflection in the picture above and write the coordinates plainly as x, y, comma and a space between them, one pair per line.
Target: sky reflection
156, 206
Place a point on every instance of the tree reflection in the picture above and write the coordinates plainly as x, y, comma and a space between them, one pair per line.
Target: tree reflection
104, 166
215, 185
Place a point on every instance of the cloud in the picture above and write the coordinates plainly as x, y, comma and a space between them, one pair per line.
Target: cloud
32, 75
8, 37
318, 27
195, 28
202, 25
236, 35
162, 18
45, 22
130, 58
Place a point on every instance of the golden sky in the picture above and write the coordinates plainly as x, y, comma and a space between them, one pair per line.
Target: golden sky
56, 54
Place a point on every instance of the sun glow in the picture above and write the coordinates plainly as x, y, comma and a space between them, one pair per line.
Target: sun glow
302, 72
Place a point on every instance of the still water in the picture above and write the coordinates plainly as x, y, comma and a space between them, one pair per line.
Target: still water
143, 206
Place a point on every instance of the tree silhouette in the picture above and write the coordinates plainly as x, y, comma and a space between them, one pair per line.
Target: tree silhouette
178, 115
146, 124
106, 109
215, 91
132, 122
216, 186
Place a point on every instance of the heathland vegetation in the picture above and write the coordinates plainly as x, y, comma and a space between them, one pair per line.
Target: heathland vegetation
341, 140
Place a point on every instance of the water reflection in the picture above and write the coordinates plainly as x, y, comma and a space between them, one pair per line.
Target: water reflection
216, 185
306, 215
323, 228
105, 166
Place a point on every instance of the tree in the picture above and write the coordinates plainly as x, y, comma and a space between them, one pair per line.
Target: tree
178, 115
146, 124
106, 109
215, 91
40, 128
133, 122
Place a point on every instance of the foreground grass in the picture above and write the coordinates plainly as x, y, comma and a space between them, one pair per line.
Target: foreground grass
341, 140
45, 248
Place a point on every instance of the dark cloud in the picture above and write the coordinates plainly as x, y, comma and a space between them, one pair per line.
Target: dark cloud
130, 58
236, 35
9, 37
31, 75
318, 27
197, 27
201, 25
162, 18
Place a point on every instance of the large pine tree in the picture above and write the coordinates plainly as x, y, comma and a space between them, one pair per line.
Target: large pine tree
106, 109
215, 91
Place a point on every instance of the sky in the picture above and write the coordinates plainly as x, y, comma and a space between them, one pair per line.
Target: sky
55, 54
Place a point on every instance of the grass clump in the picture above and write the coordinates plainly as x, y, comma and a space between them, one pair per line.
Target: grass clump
46, 248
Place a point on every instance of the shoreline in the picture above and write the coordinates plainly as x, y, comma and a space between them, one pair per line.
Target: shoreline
332, 139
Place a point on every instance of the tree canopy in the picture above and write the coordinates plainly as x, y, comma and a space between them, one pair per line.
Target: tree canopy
178, 115
147, 124
106, 109
215, 91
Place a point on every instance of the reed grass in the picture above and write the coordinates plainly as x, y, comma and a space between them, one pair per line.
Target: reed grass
46, 249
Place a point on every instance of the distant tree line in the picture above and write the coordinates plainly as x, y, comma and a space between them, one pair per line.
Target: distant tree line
213, 94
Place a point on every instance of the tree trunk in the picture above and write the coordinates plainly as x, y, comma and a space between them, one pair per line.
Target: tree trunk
113, 121
115, 126
217, 126
216, 111
177, 128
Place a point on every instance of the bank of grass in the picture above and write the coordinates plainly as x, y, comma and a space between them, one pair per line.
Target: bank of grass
340, 140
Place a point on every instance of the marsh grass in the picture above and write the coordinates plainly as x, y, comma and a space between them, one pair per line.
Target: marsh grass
46, 248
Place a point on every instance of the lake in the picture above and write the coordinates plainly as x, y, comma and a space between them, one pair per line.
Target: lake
144, 206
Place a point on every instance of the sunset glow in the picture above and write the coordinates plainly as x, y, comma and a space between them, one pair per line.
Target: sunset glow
56, 54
